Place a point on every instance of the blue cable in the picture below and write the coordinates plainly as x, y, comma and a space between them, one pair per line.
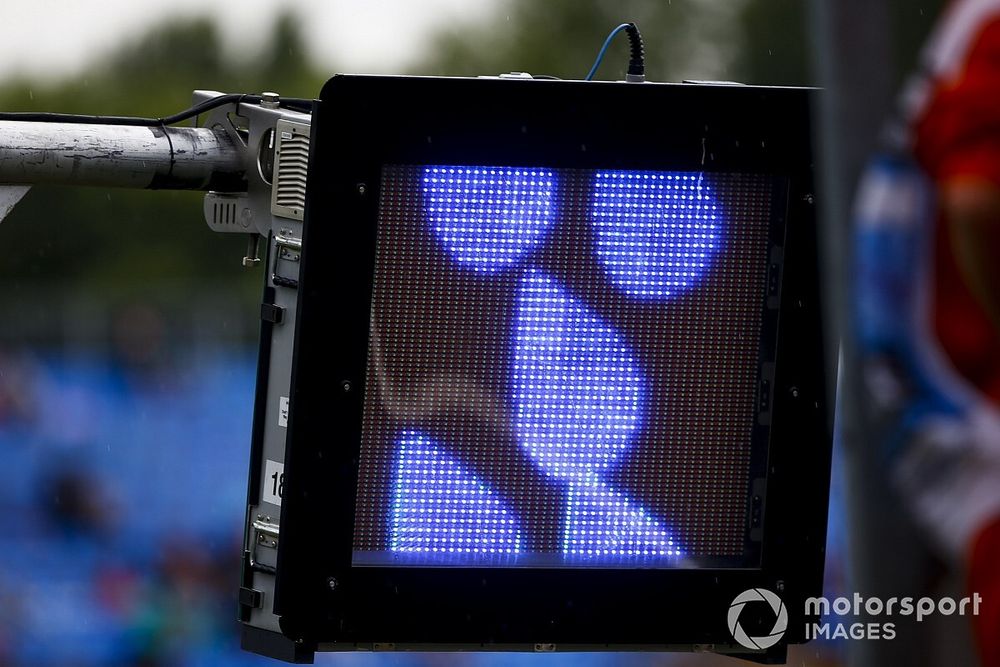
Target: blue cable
604, 49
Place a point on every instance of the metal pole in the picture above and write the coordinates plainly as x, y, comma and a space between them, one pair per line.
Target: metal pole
174, 158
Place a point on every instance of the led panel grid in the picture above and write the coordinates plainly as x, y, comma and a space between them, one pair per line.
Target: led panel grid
488, 217
642, 255
562, 368
439, 509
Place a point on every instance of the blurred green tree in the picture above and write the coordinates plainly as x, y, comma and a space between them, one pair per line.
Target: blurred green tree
684, 39
776, 43
124, 245
765, 42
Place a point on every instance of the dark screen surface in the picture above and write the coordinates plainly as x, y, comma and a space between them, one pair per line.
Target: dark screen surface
520, 449
562, 367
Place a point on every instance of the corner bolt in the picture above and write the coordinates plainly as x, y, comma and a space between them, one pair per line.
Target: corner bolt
270, 100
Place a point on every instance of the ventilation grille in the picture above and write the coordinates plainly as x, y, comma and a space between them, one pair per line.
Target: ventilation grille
227, 212
224, 213
291, 169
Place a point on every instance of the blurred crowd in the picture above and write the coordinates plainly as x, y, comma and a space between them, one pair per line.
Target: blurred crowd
122, 491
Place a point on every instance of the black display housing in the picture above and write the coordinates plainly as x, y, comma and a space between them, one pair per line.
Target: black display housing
362, 123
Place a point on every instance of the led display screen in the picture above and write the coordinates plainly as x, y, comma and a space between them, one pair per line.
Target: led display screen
563, 368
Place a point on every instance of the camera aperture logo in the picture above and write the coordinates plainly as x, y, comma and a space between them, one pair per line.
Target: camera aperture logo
780, 619
873, 617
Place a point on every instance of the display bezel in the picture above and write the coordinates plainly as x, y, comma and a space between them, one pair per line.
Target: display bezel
362, 123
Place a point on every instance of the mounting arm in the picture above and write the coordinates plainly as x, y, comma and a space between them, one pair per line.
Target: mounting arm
172, 158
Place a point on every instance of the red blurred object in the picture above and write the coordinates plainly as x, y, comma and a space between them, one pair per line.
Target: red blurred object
958, 134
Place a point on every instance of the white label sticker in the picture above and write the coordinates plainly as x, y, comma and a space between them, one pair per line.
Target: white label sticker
274, 482
283, 411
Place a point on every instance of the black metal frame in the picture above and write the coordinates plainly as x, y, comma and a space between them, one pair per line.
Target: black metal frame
361, 123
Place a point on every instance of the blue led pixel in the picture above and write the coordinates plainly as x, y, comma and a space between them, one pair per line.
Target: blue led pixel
656, 231
489, 217
438, 508
601, 522
577, 394
576, 389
